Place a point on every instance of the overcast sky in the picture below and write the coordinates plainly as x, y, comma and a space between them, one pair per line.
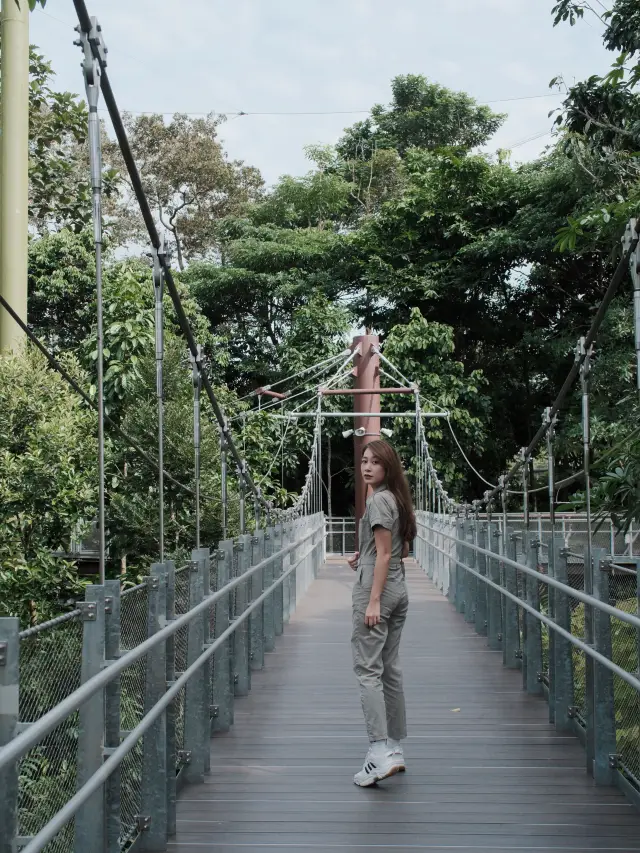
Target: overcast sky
324, 56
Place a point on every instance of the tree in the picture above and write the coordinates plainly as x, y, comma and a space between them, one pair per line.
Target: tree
62, 288
189, 181
421, 115
425, 352
269, 272
48, 490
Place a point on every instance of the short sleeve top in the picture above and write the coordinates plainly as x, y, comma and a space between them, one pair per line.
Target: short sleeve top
381, 510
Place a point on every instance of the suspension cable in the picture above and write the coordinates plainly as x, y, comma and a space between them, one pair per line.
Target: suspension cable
319, 364
145, 210
60, 369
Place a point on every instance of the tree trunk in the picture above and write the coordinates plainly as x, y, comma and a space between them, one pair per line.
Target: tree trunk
178, 250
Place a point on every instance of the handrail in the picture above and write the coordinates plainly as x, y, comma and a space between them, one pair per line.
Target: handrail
563, 587
30, 737
70, 809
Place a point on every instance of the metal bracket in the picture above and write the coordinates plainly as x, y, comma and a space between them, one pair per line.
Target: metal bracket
214, 710
194, 566
88, 611
236, 678
499, 638
108, 604
255, 540
87, 41
4, 647
153, 583
184, 756
572, 712
143, 822
614, 760
539, 677
519, 655
238, 546
220, 555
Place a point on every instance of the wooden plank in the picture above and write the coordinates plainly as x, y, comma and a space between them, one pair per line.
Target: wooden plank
486, 772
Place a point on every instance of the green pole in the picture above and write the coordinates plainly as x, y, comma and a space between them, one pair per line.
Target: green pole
14, 167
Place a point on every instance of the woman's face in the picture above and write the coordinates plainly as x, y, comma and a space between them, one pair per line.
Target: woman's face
373, 472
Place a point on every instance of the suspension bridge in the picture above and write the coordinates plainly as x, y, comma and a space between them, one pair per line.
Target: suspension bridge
212, 707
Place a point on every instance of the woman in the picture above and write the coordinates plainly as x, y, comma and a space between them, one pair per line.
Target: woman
380, 604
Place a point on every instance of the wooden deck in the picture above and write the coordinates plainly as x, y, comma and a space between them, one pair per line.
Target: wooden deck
486, 772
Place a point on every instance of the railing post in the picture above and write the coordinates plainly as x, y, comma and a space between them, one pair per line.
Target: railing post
241, 668
277, 571
532, 652
293, 577
453, 581
269, 604
563, 649
170, 652
511, 645
203, 555
9, 709
494, 631
154, 742
90, 819
195, 740
481, 565
459, 600
222, 676
472, 581
604, 716
112, 714
256, 619
286, 584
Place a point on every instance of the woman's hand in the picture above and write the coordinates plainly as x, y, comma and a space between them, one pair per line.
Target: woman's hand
372, 615
353, 561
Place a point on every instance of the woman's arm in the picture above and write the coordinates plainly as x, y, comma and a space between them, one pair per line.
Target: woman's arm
380, 572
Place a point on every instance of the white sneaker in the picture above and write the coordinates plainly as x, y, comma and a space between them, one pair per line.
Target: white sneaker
378, 765
397, 755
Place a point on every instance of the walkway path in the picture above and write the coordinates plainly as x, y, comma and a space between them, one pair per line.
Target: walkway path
486, 772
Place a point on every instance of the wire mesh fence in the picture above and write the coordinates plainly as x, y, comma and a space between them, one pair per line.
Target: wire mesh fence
133, 631
579, 687
181, 643
50, 670
622, 586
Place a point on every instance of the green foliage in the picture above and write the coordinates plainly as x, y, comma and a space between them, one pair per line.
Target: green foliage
128, 332
188, 178
425, 351
62, 288
47, 489
422, 115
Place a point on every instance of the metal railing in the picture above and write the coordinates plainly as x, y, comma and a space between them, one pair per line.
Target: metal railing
341, 535
106, 712
526, 594
574, 529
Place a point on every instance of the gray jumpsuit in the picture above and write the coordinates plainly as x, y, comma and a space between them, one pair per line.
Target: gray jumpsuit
375, 650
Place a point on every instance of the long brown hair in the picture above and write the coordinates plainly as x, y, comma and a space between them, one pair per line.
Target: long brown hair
397, 484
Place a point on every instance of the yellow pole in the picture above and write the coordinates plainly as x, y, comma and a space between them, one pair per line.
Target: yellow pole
14, 167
